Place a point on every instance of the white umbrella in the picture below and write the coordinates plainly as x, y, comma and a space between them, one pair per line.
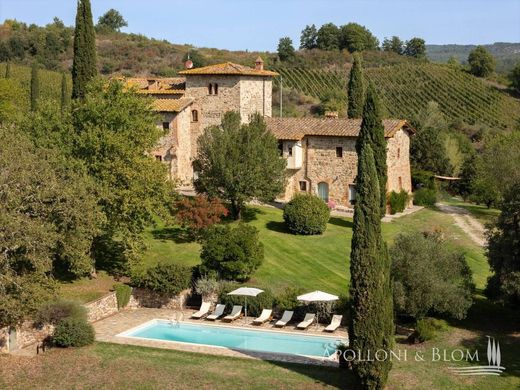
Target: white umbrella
246, 292
317, 296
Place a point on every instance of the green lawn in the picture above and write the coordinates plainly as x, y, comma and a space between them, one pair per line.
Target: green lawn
312, 262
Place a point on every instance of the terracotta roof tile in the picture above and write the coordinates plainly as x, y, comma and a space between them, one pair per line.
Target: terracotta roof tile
171, 105
297, 128
228, 68
155, 85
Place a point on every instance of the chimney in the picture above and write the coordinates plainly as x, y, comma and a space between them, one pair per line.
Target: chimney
331, 114
259, 63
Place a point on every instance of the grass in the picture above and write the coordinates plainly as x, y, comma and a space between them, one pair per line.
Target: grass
312, 262
114, 366
86, 290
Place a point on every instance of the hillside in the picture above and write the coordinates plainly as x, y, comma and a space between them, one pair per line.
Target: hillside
406, 89
50, 82
507, 55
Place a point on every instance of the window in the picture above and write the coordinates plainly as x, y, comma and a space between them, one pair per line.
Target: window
339, 151
158, 157
398, 152
323, 191
352, 193
166, 125
194, 116
400, 183
289, 151
303, 185
210, 89
280, 147
215, 89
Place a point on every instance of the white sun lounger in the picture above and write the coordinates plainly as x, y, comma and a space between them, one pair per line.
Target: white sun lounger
286, 317
309, 319
264, 317
334, 323
204, 310
219, 311
235, 313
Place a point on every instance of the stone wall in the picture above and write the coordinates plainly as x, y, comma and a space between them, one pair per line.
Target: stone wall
255, 96
321, 165
147, 298
398, 160
211, 107
102, 307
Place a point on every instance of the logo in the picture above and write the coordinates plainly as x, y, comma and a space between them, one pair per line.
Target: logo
494, 360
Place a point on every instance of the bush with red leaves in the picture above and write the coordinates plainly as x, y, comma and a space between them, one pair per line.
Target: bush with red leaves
198, 213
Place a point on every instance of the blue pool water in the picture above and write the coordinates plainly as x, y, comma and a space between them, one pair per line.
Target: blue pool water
254, 340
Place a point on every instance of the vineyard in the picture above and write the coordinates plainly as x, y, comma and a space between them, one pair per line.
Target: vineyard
406, 90
50, 82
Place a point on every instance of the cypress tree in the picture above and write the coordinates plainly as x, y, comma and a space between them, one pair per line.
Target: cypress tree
8, 70
373, 132
35, 87
371, 320
65, 96
84, 67
356, 89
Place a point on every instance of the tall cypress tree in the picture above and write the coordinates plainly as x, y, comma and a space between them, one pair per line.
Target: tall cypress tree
356, 89
373, 132
65, 96
35, 87
371, 319
8, 70
84, 67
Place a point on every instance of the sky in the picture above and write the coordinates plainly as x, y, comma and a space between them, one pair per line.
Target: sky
259, 24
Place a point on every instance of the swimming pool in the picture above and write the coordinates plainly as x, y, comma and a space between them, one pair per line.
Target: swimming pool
236, 338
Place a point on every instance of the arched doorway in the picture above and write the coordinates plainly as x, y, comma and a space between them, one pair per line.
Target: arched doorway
323, 191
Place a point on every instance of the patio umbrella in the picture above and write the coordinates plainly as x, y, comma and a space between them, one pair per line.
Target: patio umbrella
246, 292
317, 296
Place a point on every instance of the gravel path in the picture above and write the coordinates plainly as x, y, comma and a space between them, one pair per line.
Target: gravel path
463, 219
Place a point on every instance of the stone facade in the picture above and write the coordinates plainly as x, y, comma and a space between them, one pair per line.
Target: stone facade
331, 163
321, 159
398, 160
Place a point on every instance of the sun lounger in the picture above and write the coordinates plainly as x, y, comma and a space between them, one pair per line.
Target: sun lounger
219, 311
309, 319
203, 311
235, 313
334, 324
286, 317
264, 317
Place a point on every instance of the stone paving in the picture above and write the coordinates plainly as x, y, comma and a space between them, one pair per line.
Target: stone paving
107, 330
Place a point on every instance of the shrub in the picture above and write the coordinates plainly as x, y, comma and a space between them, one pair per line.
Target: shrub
427, 328
207, 286
199, 213
423, 179
428, 277
255, 305
73, 332
233, 253
398, 201
287, 299
54, 312
306, 214
168, 279
123, 293
425, 197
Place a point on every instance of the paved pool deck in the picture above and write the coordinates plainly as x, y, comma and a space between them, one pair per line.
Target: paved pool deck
107, 330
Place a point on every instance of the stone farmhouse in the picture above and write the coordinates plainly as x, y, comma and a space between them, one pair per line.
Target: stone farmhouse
320, 152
